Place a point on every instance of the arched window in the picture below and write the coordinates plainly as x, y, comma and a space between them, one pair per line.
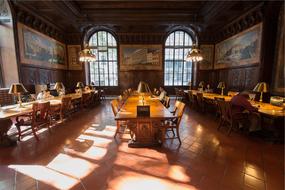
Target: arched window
103, 71
177, 71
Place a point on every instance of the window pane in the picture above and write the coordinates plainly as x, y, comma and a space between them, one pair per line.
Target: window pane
177, 71
104, 71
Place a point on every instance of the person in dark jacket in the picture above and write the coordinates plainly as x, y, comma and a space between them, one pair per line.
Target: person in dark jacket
241, 105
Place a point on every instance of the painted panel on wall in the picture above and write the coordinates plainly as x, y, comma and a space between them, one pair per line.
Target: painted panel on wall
140, 57
242, 49
279, 69
208, 57
39, 49
73, 57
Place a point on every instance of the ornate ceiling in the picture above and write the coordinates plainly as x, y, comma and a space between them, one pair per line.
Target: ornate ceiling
136, 16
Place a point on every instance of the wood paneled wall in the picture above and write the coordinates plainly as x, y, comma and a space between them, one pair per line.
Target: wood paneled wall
245, 78
235, 78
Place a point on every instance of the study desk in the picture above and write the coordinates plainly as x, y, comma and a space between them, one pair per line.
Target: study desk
7, 113
146, 129
263, 108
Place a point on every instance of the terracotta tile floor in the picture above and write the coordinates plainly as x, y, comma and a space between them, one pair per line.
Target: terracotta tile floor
82, 154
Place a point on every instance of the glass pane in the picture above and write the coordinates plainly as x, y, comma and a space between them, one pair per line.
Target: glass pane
176, 70
93, 40
188, 40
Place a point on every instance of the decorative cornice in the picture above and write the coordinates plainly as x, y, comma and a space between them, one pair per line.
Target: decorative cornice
241, 23
39, 25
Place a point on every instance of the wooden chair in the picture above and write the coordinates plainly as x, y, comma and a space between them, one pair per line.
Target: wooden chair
103, 94
123, 124
39, 117
218, 108
85, 100
191, 98
227, 118
200, 102
176, 106
65, 110
166, 102
179, 94
174, 124
65, 107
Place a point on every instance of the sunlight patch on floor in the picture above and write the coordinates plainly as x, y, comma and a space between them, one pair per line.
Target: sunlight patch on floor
46, 175
137, 181
178, 173
93, 153
71, 166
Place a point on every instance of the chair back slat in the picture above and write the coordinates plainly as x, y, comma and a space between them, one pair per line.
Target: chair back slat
115, 106
167, 101
180, 111
40, 112
65, 104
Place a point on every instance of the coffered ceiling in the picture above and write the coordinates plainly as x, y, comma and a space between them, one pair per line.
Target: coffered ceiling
136, 16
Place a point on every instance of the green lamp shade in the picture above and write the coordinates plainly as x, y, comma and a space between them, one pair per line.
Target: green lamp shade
143, 88
261, 87
221, 85
79, 85
17, 88
201, 84
58, 86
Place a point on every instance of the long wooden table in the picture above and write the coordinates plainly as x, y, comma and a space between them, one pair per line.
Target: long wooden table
263, 108
146, 129
7, 113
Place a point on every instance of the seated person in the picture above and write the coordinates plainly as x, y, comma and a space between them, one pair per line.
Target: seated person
241, 106
162, 95
44, 94
87, 88
208, 89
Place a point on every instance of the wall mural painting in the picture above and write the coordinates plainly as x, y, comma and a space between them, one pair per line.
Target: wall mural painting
242, 49
208, 57
140, 57
279, 68
39, 49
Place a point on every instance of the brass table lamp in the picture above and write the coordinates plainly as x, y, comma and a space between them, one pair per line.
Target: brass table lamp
17, 89
221, 85
261, 87
143, 88
79, 85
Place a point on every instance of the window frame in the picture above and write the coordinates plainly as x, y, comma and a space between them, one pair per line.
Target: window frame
173, 48
108, 61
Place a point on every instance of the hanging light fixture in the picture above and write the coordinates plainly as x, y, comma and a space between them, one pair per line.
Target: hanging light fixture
86, 55
194, 55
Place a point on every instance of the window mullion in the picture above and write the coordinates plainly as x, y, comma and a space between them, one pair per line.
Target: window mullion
173, 61
183, 59
109, 84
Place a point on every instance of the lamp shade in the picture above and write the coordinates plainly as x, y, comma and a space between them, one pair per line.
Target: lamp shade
58, 86
143, 87
261, 87
79, 85
201, 84
86, 55
17, 88
194, 55
221, 85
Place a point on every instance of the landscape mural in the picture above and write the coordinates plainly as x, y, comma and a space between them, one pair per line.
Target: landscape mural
39, 49
207, 52
239, 50
140, 57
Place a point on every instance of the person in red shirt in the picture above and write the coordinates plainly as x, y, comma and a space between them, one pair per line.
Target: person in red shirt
241, 106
